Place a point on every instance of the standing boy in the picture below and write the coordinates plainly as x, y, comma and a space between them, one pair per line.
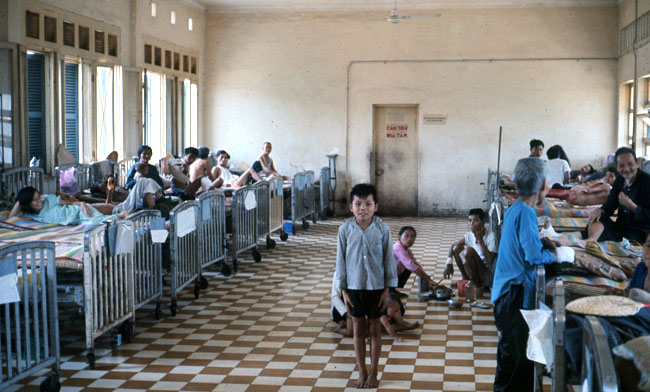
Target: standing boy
365, 269
520, 251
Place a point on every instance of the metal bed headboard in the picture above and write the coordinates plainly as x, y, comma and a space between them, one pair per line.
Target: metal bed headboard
16, 179
598, 372
83, 174
30, 327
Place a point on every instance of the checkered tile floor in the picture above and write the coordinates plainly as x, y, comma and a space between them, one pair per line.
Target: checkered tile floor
267, 328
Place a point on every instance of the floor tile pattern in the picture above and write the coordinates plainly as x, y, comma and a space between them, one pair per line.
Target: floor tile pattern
267, 328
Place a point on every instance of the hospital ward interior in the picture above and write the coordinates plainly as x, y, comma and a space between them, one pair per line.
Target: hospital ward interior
325, 195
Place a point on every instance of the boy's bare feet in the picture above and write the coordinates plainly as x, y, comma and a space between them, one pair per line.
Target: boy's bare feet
361, 382
371, 381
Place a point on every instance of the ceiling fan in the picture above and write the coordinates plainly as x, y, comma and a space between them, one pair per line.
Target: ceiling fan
395, 18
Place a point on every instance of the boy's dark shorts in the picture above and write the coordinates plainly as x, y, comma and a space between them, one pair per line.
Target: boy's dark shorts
403, 278
257, 166
338, 317
365, 303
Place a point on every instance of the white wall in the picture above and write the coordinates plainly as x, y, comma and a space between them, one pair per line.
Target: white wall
284, 77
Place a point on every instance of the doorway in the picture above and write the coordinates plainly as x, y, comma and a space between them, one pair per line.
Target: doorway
395, 159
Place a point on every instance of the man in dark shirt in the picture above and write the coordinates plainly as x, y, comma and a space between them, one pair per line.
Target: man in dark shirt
630, 194
144, 155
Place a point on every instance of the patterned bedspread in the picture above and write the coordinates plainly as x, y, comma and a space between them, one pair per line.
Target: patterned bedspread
560, 209
68, 240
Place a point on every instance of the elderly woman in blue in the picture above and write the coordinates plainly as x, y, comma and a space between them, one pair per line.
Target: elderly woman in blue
55, 209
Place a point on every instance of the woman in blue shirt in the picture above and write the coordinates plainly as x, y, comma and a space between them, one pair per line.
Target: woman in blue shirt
520, 251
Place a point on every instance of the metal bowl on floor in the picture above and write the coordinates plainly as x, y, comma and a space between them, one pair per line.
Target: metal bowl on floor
454, 304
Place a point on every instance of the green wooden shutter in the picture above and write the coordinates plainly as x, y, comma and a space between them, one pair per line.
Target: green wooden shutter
71, 95
36, 105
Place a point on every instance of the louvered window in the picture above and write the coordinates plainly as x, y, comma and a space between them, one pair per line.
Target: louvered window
194, 65
177, 61
50, 29
71, 95
112, 45
36, 105
147, 54
168, 59
157, 56
99, 41
68, 34
84, 38
32, 25
186, 64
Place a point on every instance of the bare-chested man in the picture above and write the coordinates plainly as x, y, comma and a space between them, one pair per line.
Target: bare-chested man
229, 179
201, 169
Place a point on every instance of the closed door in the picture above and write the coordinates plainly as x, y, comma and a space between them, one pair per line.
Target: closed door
395, 159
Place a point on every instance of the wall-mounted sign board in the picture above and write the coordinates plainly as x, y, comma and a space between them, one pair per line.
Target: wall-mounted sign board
435, 119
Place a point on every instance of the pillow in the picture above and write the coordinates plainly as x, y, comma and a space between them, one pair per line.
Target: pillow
638, 351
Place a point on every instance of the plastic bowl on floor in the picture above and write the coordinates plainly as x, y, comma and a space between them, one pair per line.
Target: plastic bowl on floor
454, 304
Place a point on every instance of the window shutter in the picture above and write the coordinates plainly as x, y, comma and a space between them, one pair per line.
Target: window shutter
32, 26
68, 34
72, 109
99, 42
36, 105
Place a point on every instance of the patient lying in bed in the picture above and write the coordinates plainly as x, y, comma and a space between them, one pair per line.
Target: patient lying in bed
54, 209
588, 196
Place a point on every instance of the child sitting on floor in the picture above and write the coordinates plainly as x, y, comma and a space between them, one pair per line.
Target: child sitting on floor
406, 263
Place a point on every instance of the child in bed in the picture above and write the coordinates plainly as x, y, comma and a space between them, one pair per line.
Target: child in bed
54, 209
520, 251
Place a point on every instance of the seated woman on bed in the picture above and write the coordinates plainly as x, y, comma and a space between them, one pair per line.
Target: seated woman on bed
144, 194
54, 209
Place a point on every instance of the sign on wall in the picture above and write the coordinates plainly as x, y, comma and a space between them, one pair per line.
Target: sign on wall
435, 119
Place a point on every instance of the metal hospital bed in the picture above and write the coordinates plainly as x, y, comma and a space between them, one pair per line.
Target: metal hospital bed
303, 202
325, 193
184, 249
244, 224
29, 328
276, 210
212, 232
123, 167
147, 259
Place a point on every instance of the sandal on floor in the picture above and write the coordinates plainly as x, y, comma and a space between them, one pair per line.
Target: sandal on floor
480, 305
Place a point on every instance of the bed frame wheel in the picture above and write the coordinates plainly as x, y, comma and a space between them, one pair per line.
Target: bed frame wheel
314, 218
158, 311
173, 307
203, 283
256, 255
235, 265
91, 359
284, 236
51, 383
305, 224
225, 270
197, 289
270, 243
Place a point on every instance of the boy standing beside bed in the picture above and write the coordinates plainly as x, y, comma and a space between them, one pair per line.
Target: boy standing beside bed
520, 251
365, 269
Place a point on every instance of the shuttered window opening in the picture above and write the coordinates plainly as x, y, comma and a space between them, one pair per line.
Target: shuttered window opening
147, 54
84, 38
68, 34
112, 45
99, 41
71, 97
168, 59
186, 64
32, 25
194, 65
157, 56
36, 105
177, 61
50, 29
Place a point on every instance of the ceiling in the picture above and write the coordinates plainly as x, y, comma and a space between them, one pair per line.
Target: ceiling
225, 6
